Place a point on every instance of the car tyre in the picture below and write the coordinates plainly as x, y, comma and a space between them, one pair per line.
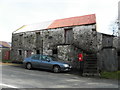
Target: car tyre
56, 69
29, 66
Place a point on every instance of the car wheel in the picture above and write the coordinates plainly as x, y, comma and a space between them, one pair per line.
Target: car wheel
29, 66
56, 69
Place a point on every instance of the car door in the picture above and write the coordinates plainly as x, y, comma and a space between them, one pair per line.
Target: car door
46, 62
36, 61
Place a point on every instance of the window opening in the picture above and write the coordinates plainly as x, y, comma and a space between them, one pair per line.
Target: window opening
20, 52
68, 35
54, 51
36, 57
37, 51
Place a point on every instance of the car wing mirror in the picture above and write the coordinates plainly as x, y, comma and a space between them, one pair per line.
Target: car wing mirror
48, 60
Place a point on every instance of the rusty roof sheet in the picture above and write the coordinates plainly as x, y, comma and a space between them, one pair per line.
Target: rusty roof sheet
73, 21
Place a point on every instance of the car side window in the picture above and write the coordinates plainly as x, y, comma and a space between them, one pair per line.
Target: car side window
36, 57
45, 58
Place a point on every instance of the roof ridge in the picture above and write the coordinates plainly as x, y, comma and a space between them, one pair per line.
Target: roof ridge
76, 16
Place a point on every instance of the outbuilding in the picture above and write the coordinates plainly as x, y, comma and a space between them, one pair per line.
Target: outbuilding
66, 39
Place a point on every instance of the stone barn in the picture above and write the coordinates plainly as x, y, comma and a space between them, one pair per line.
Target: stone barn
65, 39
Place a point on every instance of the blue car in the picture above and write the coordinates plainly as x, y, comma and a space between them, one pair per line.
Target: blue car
46, 62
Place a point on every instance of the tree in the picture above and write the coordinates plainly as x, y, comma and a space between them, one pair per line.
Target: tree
114, 27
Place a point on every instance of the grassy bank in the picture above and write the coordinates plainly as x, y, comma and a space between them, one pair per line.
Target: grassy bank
6, 61
111, 75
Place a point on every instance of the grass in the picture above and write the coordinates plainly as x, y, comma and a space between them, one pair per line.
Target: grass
111, 75
6, 61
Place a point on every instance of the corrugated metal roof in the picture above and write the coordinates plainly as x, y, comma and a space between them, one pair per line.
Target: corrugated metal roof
32, 27
73, 21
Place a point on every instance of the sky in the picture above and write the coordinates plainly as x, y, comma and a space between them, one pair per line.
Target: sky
16, 13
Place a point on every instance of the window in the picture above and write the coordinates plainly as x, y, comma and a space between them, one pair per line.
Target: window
20, 52
36, 57
21, 34
50, 37
37, 51
93, 29
68, 36
54, 51
38, 33
45, 58
118, 53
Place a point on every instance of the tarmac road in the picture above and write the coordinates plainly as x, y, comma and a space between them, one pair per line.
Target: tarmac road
15, 76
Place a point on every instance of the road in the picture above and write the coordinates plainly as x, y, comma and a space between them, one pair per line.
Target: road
15, 76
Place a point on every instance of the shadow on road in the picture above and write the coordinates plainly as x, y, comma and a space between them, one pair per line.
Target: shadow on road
72, 72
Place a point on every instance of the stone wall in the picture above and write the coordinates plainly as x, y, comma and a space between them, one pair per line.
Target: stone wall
46, 41
39, 42
107, 56
65, 43
29, 40
25, 40
22, 42
107, 59
107, 41
85, 37
52, 38
17, 40
69, 54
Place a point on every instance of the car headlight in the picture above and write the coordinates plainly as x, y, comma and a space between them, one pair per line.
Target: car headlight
65, 65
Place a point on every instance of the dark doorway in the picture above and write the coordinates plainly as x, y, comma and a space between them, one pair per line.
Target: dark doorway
68, 36
37, 51
20, 52
54, 51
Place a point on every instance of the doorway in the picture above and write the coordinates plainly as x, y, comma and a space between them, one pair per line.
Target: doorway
37, 51
68, 36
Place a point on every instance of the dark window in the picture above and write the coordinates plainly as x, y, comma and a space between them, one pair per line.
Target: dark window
50, 37
21, 34
38, 33
37, 51
93, 29
36, 57
20, 52
118, 53
54, 51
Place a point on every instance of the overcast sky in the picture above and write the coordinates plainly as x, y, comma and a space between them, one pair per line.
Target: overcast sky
16, 13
